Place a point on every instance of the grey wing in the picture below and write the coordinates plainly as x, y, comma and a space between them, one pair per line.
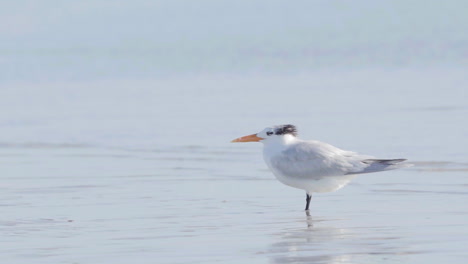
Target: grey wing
376, 165
313, 159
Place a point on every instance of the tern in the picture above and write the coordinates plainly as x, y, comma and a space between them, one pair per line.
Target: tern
311, 165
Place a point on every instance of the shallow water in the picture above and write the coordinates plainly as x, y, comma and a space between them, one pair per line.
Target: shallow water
117, 116
122, 175
88, 204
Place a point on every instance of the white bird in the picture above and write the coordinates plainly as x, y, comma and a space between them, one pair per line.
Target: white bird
312, 165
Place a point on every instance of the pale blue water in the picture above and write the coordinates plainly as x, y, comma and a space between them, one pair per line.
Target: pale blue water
146, 39
117, 117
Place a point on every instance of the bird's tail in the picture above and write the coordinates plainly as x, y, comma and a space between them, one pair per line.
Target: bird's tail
375, 165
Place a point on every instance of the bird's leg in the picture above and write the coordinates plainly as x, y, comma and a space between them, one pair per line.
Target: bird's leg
308, 197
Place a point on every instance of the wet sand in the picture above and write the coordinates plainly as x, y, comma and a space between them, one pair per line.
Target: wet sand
63, 204
116, 119
143, 171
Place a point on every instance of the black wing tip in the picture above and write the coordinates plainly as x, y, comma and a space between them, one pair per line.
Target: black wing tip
384, 161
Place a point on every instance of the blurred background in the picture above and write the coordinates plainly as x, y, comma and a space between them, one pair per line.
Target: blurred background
105, 100
120, 72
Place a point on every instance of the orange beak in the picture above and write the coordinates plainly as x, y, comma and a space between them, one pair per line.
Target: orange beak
249, 138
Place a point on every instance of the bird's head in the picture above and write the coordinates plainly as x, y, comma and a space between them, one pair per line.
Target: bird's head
276, 133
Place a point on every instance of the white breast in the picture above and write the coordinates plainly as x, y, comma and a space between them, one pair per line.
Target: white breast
311, 184
306, 166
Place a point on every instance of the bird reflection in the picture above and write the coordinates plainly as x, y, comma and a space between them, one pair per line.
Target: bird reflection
309, 221
321, 242
309, 244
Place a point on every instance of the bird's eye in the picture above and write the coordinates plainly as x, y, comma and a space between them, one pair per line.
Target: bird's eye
269, 133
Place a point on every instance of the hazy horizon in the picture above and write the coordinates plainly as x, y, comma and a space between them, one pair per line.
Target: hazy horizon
91, 40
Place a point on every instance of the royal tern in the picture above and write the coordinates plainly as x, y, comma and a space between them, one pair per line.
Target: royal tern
312, 165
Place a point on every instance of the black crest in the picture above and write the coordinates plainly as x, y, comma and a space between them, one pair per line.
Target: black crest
286, 129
